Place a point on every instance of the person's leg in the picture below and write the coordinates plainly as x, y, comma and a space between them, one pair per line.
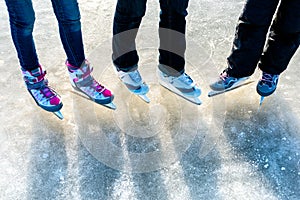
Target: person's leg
172, 27
283, 41
248, 44
127, 19
250, 37
68, 17
172, 48
284, 38
21, 17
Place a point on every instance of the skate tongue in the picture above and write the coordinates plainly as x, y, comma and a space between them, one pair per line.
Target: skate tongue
37, 72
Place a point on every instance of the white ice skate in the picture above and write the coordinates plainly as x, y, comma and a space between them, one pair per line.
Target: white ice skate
42, 93
82, 81
134, 83
182, 85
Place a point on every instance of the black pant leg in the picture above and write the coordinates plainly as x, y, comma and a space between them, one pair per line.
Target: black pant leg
172, 27
127, 19
284, 38
250, 36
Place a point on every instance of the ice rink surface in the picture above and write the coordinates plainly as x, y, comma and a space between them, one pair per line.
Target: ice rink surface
226, 148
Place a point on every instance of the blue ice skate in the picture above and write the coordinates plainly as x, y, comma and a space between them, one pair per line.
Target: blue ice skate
226, 83
134, 83
267, 85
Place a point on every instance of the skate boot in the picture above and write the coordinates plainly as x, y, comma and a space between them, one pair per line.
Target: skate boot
182, 85
82, 81
42, 93
226, 83
266, 85
134, 83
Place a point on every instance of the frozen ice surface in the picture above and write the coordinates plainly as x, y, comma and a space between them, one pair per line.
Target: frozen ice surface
226, 148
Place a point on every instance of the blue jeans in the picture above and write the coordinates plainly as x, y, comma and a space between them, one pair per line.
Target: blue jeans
22, 17
251, 35
127, 19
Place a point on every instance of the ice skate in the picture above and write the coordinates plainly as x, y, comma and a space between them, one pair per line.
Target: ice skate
227, 83
58, 114
266, 85
261, 100
182, 85
82, 81
42, 93
134, 83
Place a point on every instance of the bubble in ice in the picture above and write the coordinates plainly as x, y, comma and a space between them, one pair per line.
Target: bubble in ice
266, 166
45, 155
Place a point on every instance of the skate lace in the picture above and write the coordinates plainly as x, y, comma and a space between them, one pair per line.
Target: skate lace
88, 81
186, 79
84, 77
37, 82
135, 76
224, 76
267, 77
97, 86
47, 91
91, 82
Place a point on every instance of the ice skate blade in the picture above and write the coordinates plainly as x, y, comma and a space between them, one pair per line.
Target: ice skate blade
59, 115
110, 105
215, 93
194, 100
261, 100
144, 97
82, 94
